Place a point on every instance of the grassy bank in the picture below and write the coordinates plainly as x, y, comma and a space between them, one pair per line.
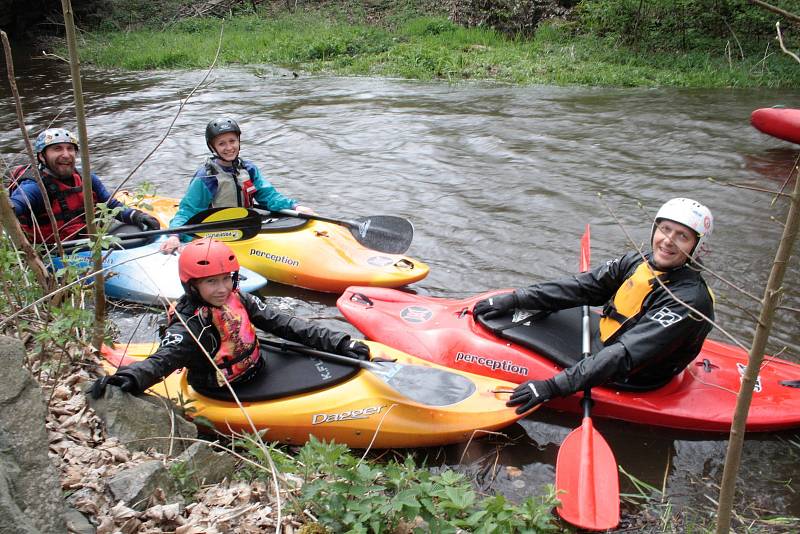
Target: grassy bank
428, 48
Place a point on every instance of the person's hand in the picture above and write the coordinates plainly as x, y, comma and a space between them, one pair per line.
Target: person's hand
170, 245
496, 305
531, 394
124, 382
304, 209
356, 350
145, 221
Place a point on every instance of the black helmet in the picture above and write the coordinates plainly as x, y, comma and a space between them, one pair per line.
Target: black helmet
220, 126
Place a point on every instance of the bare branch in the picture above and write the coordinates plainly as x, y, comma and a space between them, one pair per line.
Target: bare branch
749, 187
779, 11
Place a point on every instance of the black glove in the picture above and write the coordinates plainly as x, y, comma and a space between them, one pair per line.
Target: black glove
532, 393
354, 349
145, 221
496, 306
123, 382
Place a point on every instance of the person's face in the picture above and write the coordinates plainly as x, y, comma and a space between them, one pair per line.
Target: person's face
215, 289
227, 146
60, 158
672, 244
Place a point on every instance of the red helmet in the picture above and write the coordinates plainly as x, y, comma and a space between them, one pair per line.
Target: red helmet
206, 257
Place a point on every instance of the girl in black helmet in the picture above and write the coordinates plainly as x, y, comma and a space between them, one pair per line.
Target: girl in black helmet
225, 180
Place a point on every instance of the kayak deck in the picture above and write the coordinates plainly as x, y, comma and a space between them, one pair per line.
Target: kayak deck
361, 410
702, 397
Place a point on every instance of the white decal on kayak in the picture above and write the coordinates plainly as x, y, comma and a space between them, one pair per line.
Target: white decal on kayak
380, 261
741, 367
416, 314
274, 257
322, 369
494, 365
171, 339
521, 315
665, 317
349, 415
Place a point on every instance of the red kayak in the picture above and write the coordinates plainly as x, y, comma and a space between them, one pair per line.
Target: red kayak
702, 397
783, 123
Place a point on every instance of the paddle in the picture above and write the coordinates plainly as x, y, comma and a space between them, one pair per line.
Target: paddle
586, 470
224, 224
425, 385
384, 233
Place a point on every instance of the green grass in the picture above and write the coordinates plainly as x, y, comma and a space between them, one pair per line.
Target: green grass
428, 48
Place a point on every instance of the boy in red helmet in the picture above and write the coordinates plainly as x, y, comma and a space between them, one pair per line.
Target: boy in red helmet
215, 315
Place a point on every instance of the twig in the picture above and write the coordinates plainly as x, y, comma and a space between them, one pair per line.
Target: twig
750, 188
779, 11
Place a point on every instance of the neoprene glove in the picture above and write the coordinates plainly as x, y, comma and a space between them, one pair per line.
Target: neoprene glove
123, 382
145, 221
532, 393
355, 349
496, 305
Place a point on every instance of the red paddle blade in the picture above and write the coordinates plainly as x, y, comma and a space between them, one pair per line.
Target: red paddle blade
587, 481
586, 250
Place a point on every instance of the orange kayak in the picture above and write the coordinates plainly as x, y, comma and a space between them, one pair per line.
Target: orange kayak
404, 403
314, 255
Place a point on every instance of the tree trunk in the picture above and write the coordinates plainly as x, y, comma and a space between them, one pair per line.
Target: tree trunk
88, 202
772, 295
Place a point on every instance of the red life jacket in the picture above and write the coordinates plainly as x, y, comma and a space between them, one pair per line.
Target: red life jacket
239, 350
66, 201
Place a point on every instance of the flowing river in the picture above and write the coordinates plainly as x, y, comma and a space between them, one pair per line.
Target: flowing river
499, 182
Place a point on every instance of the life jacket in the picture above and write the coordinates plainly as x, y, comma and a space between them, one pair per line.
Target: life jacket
628, 300
239, 351
66, 201
232, 189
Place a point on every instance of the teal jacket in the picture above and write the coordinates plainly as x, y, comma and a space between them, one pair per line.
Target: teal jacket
203, 188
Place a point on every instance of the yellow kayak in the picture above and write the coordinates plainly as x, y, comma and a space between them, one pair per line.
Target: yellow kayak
379, 404
311, 254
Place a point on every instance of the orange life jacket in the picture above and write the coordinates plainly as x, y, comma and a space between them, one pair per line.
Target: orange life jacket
239, 349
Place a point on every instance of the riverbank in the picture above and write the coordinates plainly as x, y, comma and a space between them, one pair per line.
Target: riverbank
428, 47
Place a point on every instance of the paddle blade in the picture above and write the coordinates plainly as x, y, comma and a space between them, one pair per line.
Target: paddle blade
587, 481
586, 250
384, 233
227, 224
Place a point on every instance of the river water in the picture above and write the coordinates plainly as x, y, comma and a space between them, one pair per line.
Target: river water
499, 182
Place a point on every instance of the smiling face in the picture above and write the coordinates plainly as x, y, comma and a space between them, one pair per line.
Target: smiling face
59, 158
227, 146
215, 289
672, 244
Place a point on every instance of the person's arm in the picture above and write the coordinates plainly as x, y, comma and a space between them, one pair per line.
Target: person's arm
27, 198
666, 330
292, 328
176, 350
103, 195
198, 197
266, 194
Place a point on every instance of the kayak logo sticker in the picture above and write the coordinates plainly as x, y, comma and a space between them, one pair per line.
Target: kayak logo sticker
665, 317
741, 368
495, 365
322, 369
274, 257
379, 261
349, 415
416, 314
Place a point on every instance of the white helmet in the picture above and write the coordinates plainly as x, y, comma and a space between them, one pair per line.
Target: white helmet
691, 214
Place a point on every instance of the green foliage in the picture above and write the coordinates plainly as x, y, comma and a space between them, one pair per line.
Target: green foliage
606, 51
185, 479
347, 494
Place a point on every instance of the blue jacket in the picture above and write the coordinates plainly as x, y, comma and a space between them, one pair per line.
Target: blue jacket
203, 188
27, 192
